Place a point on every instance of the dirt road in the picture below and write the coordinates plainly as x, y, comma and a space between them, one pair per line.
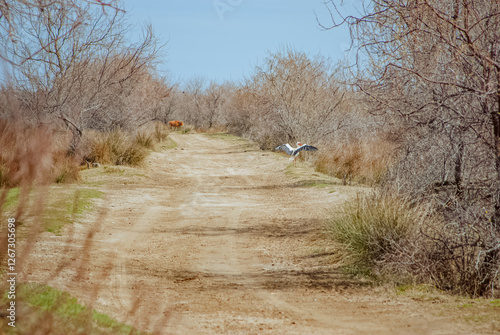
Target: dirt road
214, 237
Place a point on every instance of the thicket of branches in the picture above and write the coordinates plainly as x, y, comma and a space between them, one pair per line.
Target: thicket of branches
290, 97
432, 68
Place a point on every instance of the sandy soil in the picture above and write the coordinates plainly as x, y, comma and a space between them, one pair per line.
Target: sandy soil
214, 237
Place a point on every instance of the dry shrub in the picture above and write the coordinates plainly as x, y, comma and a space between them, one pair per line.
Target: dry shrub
145, 139
372, 226
405, 241
34, 155
459, 255
363, 161
113, 147
151, 133
65, 169
160, 131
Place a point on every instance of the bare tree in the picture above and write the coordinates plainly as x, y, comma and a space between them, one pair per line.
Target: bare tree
298, 97
192, 100
75, 62
15, 13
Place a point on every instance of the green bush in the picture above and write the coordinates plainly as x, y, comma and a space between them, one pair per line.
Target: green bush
371, 226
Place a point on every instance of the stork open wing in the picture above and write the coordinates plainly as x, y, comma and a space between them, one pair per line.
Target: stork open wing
305, 147
286, 148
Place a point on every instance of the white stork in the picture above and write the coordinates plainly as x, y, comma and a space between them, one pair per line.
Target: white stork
294, 152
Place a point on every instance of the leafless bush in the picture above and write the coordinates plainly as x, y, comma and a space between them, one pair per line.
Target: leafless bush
435, 73
204, 104
15, 13
290, 97
296, 98
453, 253
34, 155
366, 160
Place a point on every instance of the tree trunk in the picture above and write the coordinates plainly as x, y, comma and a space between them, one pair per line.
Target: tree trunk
77, 135
495, 117
458, 168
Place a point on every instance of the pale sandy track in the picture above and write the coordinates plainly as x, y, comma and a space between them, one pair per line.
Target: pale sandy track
216, 239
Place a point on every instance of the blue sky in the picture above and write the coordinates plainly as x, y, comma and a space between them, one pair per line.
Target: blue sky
225, 39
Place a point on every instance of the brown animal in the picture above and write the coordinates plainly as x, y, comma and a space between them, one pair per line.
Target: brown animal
175, 124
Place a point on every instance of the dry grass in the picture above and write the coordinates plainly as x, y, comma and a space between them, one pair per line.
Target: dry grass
115, 147
160, 132
40, 308
145, 139
372, 226
361, 161
151, 133
34, 155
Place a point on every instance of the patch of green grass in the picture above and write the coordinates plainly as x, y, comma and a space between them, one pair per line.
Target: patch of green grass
426, 293
169, 143
50, 299
114, 170
319, 184
45, 306
104, 321
412, 288
465, 305
478, 311
64, 205
11, 200
112, 175
495, 303
481, 318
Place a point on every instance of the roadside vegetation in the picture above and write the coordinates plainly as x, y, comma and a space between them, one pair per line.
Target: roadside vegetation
46, 310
